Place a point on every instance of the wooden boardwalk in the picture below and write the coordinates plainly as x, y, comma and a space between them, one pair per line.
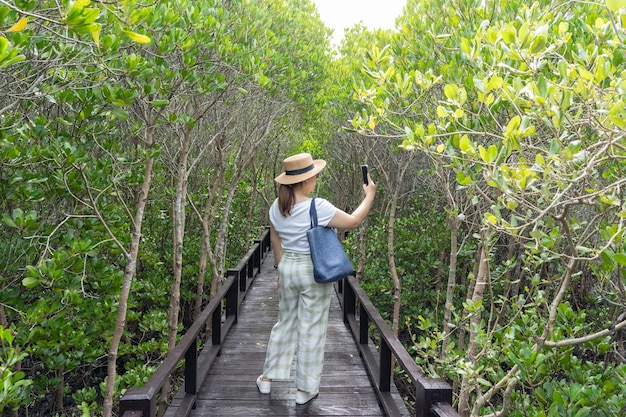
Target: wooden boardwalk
230, 390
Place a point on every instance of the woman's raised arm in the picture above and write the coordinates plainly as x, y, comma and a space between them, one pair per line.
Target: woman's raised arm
345, 221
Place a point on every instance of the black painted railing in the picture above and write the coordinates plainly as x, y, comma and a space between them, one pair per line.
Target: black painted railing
141, 402
433, 396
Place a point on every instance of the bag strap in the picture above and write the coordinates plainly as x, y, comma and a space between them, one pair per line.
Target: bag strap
313, 213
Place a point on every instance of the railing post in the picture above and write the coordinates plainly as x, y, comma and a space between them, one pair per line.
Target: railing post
266, 240
241, 283
243, 276
216, 324
429, 392
132, 413
191, 368
349, 302
232, 295
364, 324
258, 254
267, 243
250, 267
137, 402
385, 367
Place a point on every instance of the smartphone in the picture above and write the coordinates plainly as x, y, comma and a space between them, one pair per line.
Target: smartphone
364, 171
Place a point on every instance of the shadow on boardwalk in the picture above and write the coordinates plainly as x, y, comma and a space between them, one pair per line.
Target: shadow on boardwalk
229, 389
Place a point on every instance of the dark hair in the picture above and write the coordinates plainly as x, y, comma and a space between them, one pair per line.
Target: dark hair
286, 199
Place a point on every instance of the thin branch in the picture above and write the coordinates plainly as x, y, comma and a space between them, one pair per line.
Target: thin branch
99, 215
578, 340
25, 13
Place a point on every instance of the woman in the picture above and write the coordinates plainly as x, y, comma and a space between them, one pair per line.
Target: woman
302, 303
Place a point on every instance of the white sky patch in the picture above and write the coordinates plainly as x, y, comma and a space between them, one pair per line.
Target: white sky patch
375, 14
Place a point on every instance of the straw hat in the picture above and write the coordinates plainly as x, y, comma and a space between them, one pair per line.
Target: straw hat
299, 168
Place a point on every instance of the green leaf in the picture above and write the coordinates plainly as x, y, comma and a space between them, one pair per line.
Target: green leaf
583, 412
14, 60
462, 179
492, 153
4, 45
495, 83
491, 218
119, 113
137, 37
18, 213
6, 334
608, 386
8, 220
30, 282
160, 103
607, 259
465, 46
615, 5
488, 155
509, 35
90, 28
484, 382
620, 258
513, 125
557, 397
450, 91
483, 154
466, 144
539, 44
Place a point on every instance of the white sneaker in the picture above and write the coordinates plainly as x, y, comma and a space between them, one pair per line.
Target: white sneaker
264, 386
303, 397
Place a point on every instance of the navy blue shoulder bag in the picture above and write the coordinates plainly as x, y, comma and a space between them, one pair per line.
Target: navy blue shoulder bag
330, 262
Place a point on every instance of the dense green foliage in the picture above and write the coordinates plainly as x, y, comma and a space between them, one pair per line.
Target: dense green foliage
139, 142
522, 106
101, 99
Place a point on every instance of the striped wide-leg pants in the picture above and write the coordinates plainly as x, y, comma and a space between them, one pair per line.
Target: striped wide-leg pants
302, 319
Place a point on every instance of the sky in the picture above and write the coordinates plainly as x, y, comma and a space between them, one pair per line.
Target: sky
375, 14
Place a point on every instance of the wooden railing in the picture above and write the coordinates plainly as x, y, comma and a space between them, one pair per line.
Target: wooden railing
141, 402
433, 396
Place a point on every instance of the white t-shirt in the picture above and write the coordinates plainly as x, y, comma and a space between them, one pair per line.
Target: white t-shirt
292, 229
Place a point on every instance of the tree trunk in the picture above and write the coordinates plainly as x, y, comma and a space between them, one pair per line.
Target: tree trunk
3, 315
205, 246
209, 216
449, 306
57, 403
362, 251
244, 154
178, 233
249, 226
129, 275
454, 223
206, 252
474, 323
397, 289
509, 381
470, 289
519, 274
220, 245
